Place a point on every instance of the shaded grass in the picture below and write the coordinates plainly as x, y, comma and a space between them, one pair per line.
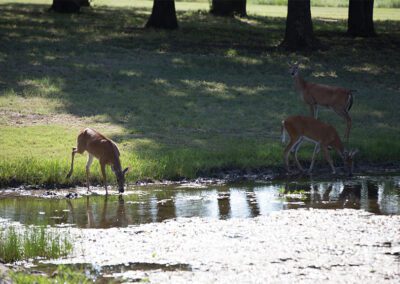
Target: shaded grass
183, 103
33, 242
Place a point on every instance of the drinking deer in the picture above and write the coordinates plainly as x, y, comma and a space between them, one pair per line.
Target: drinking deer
325, 136
105, 150
340, 100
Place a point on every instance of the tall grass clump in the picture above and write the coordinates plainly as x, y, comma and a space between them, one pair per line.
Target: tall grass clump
32, 242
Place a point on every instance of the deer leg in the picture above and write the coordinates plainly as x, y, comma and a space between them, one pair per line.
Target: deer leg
287, 151
312, 110
345, 115
72, 162
103, 172
316, 111
316, 151
348, 122
328, 158
296, 149
88, 164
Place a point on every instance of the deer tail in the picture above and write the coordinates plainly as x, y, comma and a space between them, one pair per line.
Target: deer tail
350, 99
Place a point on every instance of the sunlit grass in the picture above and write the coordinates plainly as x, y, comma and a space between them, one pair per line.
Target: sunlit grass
32, 242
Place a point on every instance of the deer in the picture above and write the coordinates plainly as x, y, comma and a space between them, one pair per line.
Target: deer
103, 149
323, 135
340, 100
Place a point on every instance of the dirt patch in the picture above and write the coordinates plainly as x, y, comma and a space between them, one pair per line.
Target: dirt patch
13, 118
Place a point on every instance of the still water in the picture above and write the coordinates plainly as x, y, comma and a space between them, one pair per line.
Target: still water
379, 195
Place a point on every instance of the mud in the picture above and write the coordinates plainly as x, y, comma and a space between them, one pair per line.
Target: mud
336, 246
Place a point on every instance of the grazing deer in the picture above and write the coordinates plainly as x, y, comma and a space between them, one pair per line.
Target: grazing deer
325, 136
314, 95
104, 150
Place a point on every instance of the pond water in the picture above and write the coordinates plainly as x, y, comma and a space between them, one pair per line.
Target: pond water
147, 204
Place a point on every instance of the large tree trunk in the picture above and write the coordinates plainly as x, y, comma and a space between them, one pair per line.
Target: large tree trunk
66, 6
228, 8
84, 3
299, 33
163, 15
360, 22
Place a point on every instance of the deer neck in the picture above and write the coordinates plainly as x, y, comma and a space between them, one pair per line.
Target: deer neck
338, 146
299, 83
117, 163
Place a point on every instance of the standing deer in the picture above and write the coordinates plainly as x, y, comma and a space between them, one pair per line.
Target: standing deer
105, 150
314, 95
325, 136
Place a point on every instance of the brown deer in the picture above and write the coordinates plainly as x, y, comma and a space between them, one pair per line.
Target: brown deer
338, 99
105, 150
325, 136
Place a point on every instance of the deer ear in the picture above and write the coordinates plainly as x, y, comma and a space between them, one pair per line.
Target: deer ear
352, 153
126, 170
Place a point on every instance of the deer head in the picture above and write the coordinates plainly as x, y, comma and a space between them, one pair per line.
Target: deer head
294, 69
348, 158
120, 175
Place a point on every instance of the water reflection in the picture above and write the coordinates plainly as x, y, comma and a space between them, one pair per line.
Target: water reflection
377, 195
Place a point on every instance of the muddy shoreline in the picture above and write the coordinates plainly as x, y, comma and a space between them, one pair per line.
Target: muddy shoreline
228, 176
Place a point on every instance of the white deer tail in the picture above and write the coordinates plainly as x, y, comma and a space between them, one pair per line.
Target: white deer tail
283, 132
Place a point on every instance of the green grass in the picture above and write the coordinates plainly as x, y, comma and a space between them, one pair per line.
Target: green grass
182, 103
63, 274
32, 242
330, 3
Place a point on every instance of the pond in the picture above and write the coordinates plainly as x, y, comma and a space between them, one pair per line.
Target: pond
379, 195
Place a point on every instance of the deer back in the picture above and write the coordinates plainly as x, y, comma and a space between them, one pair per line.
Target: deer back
313, 129
324, 95
99, 146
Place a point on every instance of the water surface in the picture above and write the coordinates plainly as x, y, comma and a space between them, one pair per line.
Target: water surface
379, 195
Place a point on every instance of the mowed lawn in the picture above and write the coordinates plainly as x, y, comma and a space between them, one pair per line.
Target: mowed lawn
183, 103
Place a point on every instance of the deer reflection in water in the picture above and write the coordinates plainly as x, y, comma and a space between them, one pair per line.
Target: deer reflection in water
106, 219
352, 195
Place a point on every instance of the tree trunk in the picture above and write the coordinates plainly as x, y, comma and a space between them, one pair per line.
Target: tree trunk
360, 22
163, 15
84, 3
228, 8
299, 33
66, 6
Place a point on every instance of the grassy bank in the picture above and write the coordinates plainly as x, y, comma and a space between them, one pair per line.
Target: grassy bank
210, 95
31, 242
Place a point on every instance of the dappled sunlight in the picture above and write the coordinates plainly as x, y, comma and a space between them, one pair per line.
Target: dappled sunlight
331, 74
178, 61
40, 87
233, 56
131, 73
254, 90
366, 68
217, 89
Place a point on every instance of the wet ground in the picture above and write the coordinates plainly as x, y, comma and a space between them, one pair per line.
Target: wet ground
244, 233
